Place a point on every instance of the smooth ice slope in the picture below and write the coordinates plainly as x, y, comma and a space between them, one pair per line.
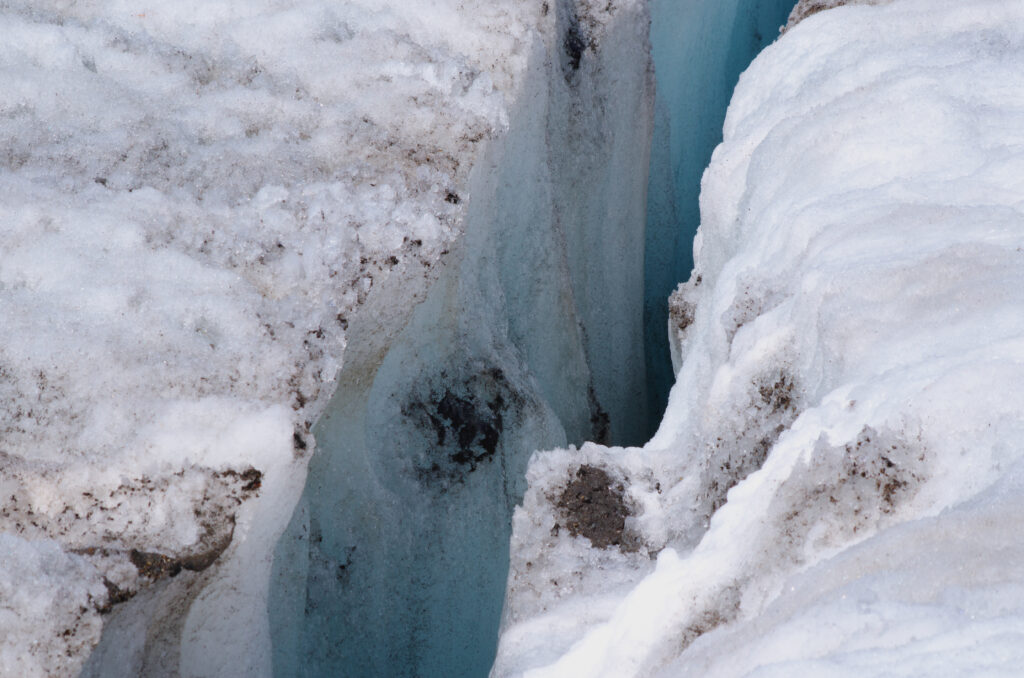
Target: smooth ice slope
699, 51
396, 560
835, 486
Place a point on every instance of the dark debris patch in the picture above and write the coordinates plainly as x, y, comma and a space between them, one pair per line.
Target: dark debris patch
115, 596
681, 312
154, 565
593, 505
251, 479
463, 420
574, 45
779, 394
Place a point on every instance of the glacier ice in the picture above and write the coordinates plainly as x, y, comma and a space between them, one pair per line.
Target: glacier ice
203, 224
396, 560
833, 486
207, 233
699, 50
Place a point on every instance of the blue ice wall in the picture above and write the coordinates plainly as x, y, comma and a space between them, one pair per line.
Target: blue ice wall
395, 561
700, 47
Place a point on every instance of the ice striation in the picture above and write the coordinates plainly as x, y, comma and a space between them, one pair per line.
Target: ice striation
833, 488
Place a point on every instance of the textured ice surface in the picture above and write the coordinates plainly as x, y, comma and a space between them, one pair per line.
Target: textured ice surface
396, 560
45, 593
834, 486
195, 198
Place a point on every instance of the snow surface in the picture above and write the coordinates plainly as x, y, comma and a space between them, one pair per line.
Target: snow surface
835, 485
195, 200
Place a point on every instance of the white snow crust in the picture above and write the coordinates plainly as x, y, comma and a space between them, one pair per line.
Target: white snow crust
195, 198
835, 487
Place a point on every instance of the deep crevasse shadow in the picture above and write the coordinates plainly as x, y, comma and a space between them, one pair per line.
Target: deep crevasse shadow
699, 49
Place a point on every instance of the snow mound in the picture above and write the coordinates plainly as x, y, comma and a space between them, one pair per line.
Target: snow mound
834, 483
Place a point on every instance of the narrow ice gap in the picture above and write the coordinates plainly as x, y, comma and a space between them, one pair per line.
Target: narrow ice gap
547, 327
699, 50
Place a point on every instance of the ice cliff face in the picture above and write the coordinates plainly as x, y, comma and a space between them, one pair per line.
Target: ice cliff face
834, 487
396, 560
208, 209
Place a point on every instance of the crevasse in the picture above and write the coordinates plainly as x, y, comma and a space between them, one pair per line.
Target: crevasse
533, 337
699, 51
396, 559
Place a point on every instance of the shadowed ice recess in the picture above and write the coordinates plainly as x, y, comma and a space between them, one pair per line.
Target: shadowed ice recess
546, 327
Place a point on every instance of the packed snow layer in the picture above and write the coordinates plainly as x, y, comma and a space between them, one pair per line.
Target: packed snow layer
196, 198
836, 482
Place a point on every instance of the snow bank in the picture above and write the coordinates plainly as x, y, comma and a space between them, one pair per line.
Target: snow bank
834, 485
196, 198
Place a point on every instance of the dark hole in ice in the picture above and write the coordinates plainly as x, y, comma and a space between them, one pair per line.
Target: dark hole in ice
695, 85
574, 45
